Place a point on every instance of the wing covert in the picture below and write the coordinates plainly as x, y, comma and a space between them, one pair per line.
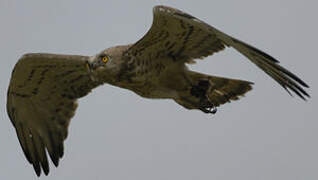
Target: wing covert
175, 37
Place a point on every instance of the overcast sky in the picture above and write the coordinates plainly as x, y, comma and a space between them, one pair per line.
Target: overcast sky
118, 135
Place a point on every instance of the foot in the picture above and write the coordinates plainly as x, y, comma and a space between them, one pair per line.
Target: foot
200, 91
207, 106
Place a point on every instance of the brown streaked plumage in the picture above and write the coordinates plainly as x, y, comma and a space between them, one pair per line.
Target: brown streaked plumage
44, 87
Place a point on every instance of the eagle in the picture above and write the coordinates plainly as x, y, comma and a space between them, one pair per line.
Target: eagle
44, 88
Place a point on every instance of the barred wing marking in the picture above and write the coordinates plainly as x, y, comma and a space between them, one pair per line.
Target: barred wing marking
41, 101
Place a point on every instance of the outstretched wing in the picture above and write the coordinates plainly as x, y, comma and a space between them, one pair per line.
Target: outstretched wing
174, 34
182, 37
41, 101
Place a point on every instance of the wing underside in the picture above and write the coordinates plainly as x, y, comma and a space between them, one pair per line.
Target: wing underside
41, 101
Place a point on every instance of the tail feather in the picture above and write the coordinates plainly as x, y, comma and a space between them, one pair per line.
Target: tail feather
224, 90
221, 90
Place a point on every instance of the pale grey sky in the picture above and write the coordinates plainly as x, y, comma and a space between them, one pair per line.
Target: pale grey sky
118, 135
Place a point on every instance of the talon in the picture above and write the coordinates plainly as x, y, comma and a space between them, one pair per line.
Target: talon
201, 91
207, 106
213, 110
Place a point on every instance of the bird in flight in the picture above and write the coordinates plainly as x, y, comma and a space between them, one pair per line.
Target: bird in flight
44, 88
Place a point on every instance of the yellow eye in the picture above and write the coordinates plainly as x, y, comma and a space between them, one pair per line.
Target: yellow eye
105, 59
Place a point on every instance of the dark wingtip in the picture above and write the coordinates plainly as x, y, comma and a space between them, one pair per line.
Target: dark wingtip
307, 96
45, 166
297, 90
305, 84
285, 78
55, 161
46, 170
60, 150
37, 168
55, 158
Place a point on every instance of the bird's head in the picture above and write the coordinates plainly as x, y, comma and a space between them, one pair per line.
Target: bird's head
107, 63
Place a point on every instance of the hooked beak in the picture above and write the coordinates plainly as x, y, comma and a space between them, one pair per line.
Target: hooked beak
92, 64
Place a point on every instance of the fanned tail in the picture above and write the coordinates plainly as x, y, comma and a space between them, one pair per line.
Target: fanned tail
222, 90
207, 92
